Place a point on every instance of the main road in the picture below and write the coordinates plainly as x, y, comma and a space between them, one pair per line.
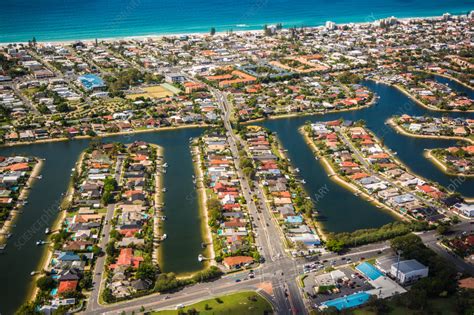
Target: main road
279, 269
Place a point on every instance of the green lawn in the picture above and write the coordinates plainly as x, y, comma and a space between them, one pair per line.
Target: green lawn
443, 306
237, 304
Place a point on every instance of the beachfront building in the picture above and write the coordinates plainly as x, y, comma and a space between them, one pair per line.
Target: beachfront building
408, 271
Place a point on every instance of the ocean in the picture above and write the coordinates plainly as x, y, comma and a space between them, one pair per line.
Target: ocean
56, 20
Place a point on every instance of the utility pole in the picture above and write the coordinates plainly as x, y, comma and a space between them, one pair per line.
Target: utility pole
399, 252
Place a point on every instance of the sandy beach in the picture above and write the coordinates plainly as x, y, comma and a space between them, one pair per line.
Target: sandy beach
203, 34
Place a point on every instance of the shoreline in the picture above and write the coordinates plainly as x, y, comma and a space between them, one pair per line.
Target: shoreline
25, 192
349, 186
402, 131
251, 29
201, 191
205, 231
158, 199
104, 135
451, 78
429, 156
293, 115
48, 251
320, 231
428, 107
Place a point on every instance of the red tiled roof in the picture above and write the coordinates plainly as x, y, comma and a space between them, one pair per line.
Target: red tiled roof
67, 286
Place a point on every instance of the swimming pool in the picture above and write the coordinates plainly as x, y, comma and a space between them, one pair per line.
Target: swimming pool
352, 300
369, 270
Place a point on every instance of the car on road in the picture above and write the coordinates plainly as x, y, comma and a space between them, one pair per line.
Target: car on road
237, 280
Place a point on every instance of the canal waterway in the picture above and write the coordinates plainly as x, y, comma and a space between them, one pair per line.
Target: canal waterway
340, 210
182, 225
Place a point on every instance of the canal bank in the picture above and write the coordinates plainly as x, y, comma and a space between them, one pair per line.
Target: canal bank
22, 255
348, 185
336, 215
9, 224
442, 166
340, 210
402, 131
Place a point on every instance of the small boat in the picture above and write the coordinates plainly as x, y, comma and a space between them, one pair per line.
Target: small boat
303, 181
73, 169
39, 177
165, 165
164, 189
164, 237
316, 158
46, 231
38, 243
200, 257
32, 273
297, 170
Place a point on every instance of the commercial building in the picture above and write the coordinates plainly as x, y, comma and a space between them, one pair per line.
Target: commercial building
407, 271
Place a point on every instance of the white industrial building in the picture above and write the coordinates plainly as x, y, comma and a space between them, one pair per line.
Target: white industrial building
407, 271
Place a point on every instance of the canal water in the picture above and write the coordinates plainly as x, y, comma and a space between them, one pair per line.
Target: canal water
340, 210
182, 225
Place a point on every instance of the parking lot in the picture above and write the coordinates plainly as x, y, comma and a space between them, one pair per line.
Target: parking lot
345, 280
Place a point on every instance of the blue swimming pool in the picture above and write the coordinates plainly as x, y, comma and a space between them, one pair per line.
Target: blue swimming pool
353, 300
369, 270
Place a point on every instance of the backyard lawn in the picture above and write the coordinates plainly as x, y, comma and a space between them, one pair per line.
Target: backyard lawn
237, 303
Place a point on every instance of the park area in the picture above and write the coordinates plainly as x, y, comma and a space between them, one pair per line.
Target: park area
155, 92
232, 304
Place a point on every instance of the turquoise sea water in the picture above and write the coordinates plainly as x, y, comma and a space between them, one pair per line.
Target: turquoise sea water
50, 20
